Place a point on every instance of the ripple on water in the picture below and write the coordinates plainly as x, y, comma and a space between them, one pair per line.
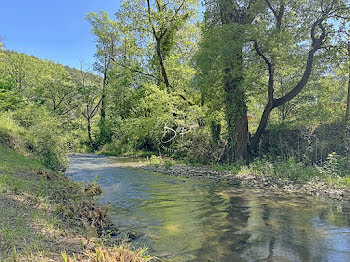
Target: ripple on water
196, 220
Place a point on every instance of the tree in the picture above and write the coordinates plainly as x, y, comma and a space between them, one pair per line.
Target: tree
227, 24
9, 99
151, 39
106, 33
24, 70
57, 90
323, 14
285, 35
347, 113
89, 86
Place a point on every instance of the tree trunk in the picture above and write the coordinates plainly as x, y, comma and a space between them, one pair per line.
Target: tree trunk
286, 98
89, 132
161, 64
261, 128
236, 110
348, 97
103, 111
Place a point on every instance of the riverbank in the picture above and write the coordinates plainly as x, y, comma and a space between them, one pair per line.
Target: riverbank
318, 185
47, 217
268, 183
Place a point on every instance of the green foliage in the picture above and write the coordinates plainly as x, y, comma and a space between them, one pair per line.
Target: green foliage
43, 135
331, 164
202, 149
214, 73
9, 98
169, 164
156, 160
336, 166
292, 170
32, 130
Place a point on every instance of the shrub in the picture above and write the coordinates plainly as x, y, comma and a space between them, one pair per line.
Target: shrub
292, 170
156, 160
10, 133
32, 130
44, 136
202, 150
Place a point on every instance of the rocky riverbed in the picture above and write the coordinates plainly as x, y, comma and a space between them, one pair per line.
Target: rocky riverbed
314, 188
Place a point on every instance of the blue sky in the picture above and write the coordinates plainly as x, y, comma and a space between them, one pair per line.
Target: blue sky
52, 29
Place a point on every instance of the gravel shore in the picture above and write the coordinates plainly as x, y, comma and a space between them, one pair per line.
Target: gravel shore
314, 188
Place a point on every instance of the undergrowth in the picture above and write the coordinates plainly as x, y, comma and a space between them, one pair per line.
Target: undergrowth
121, 253
334, 171
40, 208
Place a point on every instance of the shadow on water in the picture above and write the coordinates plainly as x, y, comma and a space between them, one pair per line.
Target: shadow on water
191, 220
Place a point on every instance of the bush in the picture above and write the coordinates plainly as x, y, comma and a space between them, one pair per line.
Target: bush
343, 166
10, 133
44, 136
310, 145
9, 98
156, 160
292, 170
202, 149
34, 131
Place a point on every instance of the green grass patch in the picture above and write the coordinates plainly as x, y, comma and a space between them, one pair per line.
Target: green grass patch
334, 172
14, 162
34, 198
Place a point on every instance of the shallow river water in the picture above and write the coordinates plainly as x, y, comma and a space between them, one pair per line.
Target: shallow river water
192, 220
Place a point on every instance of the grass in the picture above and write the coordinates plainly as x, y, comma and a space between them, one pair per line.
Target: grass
23, 193
121, 253
18, 237
44, 216
30, 223
329, 173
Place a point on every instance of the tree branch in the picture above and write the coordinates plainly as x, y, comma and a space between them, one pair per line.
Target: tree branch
271, 70
316, 45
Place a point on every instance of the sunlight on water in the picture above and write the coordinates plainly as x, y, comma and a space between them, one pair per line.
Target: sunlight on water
189, 220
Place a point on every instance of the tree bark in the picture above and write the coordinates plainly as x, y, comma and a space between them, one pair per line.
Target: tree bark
236, 110
103, 108
89, 132
348, 96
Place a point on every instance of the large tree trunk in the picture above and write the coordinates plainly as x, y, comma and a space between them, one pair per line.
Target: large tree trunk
236, 110
348, 97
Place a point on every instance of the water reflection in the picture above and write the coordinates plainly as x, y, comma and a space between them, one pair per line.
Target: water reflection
190, 220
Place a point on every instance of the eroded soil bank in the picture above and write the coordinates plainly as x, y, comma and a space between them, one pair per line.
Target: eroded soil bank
44, 214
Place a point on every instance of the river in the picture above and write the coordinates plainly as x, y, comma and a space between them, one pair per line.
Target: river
184, 219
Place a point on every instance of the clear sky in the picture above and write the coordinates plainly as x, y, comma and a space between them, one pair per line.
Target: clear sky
52, 29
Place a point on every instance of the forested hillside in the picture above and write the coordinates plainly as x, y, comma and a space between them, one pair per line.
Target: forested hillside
209, 89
